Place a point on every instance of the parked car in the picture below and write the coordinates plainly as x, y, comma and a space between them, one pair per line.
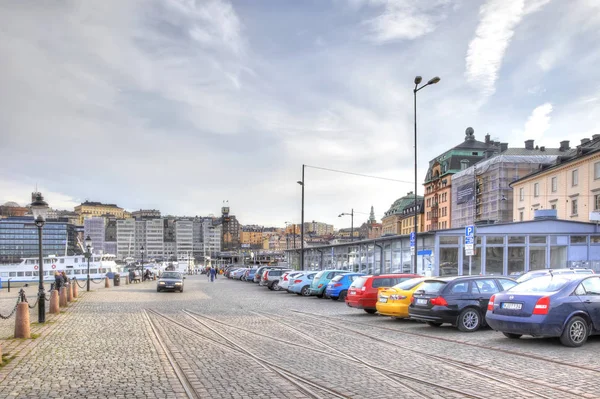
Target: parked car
260, 270
284, 281
461, 301
362, 293
238, 273
565, 306
319, 283
337, 288
271, 278
394, 301
300, 284
250, 274
170, 281
555, 272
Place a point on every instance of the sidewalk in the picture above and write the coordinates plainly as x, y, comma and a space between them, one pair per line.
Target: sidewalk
99, 347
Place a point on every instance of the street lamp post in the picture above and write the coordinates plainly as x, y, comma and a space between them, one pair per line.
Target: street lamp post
432, 81
351, 214
142, 267
88, 255
39, 208
302, 222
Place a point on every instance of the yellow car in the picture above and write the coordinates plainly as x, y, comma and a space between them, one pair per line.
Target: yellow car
394, 301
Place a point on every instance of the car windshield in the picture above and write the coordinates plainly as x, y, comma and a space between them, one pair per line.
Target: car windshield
529, 275
542, 284
359, 282
318, 276
433, 286
409, 284
337, 278
171, 275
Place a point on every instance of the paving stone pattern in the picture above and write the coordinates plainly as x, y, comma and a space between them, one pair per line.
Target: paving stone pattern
103, 346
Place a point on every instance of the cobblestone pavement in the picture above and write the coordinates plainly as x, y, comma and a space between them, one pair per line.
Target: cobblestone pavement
232, 339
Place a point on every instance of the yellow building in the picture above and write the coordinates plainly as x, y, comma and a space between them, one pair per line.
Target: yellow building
571, 187
253, 237
97, 209
407, 220
399, 219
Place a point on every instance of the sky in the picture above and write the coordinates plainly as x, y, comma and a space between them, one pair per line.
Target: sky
180, 105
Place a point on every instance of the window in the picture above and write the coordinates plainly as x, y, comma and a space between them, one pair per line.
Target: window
506, 284
487, 286
575, 177
536, 190
521, 194
573, 207
553, 206
597, 202
597, 170
461, 288
521, 216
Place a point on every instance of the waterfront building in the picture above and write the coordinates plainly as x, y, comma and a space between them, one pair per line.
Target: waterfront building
184, 231
95, 228
146, 214
126, 238
154, 238
211, 237
97, 209
12, 209
393, 217
481, 194
170, 250
438, 182
19, 239
571, 186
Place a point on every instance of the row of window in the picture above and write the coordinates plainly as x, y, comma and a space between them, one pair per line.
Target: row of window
69, 272
554, 182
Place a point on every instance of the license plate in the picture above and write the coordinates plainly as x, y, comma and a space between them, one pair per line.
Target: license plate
513, 306
383, 300
421, 301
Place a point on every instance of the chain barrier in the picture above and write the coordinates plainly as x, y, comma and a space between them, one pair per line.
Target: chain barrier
36, 301
97, 282
79, 285
20, 298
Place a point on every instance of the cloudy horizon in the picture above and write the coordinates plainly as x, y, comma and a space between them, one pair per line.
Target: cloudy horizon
178, 105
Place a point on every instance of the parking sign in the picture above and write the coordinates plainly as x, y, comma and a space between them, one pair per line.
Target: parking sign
412, 239
470, 235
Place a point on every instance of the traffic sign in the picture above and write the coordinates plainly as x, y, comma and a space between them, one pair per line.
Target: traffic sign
412, 250
470, 252
470, 235
412, 239
469, 246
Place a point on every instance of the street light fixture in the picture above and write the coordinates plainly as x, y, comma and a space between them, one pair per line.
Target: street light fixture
88, 255
418, 80
351, 214
142, 267
302, 222
39, 208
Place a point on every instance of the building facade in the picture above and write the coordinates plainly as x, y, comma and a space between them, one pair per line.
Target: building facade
251, 237
154, 238
12, 209
481, 194
184, 232
317, 228
95, 229
126, 238
571, 186
98, 209
146, 214
438, 182
19, 239
212, 233
407, 219
392, 219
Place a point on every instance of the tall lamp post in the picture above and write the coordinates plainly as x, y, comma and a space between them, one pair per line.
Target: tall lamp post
88, 255
142, 267
351, 214
432, 81
39, 208
302, 222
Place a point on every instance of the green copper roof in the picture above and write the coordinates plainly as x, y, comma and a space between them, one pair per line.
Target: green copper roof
401, 203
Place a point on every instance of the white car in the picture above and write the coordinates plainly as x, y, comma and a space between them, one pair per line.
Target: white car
284, 281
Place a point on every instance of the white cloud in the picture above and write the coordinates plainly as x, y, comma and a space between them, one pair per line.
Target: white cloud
497, 22
402, 19
538, 122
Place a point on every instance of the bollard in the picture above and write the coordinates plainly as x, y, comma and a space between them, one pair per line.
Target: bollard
63, 297
69, 292
75, 289
106, 282
54, 306
8, 285
22, 328
126, 280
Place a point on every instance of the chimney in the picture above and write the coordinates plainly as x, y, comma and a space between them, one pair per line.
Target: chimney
564, 145
542, 148
487, 138
529, 144
503, 147
585, 141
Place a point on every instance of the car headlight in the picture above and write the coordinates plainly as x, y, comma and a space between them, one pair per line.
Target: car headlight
177, 283
161, 283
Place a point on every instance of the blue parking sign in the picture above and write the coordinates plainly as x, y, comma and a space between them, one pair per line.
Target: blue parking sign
412, 239
470, 235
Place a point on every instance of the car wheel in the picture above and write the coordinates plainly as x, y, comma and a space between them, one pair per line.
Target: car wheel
181, 290
275, 286
371, 311
270, 287
469, 320
433, 324
305, 291
158, 290
343, 295
320, 295
512, 336
575, 333
334, 298
298, 294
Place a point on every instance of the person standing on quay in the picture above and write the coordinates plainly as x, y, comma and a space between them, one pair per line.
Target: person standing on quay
213, 274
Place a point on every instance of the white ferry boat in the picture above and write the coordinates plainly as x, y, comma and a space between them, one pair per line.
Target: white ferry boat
75, 266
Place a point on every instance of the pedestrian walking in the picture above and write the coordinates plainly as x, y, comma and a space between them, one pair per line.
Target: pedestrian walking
213, 274
208, 273
131, 276
58, 281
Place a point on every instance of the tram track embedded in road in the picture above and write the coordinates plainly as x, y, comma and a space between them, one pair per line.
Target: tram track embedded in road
295, 379
456, 363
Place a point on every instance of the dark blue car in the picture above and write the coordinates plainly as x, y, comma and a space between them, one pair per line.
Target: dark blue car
565, 306
337, 288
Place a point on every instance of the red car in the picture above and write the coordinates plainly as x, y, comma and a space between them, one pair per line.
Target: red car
363, 291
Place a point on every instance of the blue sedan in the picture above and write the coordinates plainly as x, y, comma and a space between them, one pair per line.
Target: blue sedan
565, 306
337, 288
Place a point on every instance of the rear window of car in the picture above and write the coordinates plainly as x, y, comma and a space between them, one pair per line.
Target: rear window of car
359, 282
409, 284
337, 278
541, 284
433, 286
318, 275
387, 281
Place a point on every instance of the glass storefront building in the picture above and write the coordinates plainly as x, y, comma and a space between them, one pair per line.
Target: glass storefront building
19, 239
